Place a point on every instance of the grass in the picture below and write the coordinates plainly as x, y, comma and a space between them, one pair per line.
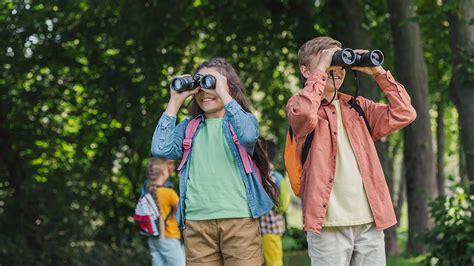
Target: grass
300, 258
404, 261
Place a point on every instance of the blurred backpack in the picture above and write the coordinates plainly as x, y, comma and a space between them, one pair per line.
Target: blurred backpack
147, 216
293, 162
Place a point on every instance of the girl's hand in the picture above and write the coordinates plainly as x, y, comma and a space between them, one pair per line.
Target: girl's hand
177, 99
373, 71
222, 88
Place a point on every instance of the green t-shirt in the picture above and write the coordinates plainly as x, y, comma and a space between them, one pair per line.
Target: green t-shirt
215, 189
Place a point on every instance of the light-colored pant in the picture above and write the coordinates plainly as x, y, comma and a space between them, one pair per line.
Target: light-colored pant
347, 245
167, 251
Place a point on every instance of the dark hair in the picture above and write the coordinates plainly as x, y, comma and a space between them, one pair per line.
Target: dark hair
237, 91
271, 150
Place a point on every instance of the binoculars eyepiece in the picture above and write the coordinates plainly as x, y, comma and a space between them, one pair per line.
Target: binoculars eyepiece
188, 83
348, 58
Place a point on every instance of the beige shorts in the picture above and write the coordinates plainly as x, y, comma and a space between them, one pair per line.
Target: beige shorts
234, 241
347, 245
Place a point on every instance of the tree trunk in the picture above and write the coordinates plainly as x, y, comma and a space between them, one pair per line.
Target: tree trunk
462, 163
357, 37
401, 197
418, 151
461, 88
440, 149
391, 240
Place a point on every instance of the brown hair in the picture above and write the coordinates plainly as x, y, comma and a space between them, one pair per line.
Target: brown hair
237, 91
154, 168
313, 47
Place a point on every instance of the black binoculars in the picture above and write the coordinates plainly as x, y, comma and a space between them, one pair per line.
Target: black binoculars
191, 82
348, 58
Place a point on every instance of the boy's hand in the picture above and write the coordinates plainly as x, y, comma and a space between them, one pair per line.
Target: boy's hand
324, 58
373, 71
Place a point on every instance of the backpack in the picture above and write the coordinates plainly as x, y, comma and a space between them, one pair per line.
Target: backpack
147, 216
247, 160
294, 162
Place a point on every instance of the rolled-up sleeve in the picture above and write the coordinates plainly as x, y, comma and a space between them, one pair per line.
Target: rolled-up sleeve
398, 113
303, 108
168, 138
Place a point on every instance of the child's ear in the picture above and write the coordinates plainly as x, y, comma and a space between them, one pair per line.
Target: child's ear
304, 71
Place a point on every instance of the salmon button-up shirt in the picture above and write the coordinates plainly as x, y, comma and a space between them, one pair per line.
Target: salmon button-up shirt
306, 114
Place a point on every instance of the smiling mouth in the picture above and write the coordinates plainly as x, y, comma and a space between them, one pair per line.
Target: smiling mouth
208, 99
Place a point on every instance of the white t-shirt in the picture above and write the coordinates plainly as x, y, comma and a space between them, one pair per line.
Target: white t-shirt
348, 204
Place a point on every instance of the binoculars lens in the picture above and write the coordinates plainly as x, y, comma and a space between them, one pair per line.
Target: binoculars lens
376, 57
344, 57
178, 84
208, 82
182, 83
370, 59
348, 57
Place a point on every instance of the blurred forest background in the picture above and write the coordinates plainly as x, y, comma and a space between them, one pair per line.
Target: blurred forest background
83, 84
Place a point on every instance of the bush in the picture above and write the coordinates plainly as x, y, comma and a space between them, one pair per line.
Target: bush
451, 242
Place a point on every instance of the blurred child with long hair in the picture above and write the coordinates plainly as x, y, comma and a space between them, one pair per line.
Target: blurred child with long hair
165, 249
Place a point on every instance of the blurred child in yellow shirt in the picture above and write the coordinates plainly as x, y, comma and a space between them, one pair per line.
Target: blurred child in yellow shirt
165, 250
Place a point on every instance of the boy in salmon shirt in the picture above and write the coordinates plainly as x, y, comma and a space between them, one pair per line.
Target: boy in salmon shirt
345, 198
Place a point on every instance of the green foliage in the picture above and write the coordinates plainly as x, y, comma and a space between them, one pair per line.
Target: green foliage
294, 239
451, 240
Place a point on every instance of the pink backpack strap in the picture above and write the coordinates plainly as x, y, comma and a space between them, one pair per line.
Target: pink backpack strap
243, 153
188, 139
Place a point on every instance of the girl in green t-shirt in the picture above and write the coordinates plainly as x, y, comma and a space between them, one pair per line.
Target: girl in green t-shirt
220, 201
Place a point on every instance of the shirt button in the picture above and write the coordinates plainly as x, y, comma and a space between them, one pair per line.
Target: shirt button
334, 133
334, 157
324, 205
330, 180
333, 112
324, 79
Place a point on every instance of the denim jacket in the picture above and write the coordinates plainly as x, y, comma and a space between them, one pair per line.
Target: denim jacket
167, 143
